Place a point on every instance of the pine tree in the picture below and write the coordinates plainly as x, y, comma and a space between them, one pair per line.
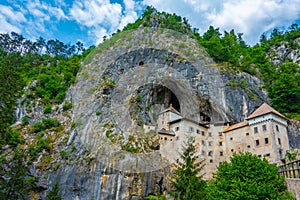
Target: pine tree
186, 180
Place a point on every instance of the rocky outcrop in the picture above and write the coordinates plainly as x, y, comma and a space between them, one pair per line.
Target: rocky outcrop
122, 86
294, 133
285, 51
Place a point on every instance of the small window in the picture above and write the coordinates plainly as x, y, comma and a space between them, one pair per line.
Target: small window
191, 129
203, 133
198, 131
220, 143
221, 153
247, 134
264, 127
232, 150
255, 130
202, 142
210, 153
210, 143
279, 141
231, 138
177, 128
209, 134
267, 155
171, 139
259, 156
248, 146
211, 161
203, 153
257, 142
277, 128
220, 133
166, 138
266, 140
161, 138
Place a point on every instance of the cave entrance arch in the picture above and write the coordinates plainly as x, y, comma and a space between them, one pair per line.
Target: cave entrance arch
165, 96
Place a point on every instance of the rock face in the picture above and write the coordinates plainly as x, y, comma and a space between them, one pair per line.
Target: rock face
122, 86
285, 51
293, 132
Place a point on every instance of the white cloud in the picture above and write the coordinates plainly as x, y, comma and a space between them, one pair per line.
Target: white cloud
251, 17
10, 20
95, 12
103, 17
255, 17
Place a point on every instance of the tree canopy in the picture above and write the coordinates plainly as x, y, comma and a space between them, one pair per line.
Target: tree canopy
246, 177
186, 181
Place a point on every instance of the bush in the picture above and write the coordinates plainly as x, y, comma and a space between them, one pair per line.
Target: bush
45, 124
14, 138
25, 120
67, 106
47, 109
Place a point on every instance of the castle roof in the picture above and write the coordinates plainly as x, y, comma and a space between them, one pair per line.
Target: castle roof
187, 119
166, 132
236, 126
171, 109
263, 110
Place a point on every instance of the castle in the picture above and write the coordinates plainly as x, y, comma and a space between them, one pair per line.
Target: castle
263, 133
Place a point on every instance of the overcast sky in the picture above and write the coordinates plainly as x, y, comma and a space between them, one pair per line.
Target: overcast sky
89, 20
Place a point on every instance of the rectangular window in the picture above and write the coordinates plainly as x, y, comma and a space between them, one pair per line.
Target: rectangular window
177, 129
210, 143
248, 146
221, 153
279, 141
264, 127
203, 142
277, 128
210, 153
220, 133
232, 150
247, 134
257, 142
255, 129
211, 161
198, 131
209, 134
231, 138
267, 155
266, 140
259, 156
203, 133
220, 143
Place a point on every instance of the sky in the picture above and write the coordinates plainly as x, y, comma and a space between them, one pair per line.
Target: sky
89, 20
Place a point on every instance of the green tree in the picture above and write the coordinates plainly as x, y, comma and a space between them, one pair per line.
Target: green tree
246, 177
14, 183
186, 181
53, 194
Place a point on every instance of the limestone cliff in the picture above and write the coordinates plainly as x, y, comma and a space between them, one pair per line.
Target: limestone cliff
121, 87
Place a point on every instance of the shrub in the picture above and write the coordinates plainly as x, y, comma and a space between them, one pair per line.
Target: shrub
47, 109
67, 106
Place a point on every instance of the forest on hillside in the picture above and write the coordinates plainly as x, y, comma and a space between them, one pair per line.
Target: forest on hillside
48, 68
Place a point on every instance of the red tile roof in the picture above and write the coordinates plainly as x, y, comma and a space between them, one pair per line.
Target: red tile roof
236, 126
263, 110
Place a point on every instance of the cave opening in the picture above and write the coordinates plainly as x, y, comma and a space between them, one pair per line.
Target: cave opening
174, 101
165, 96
